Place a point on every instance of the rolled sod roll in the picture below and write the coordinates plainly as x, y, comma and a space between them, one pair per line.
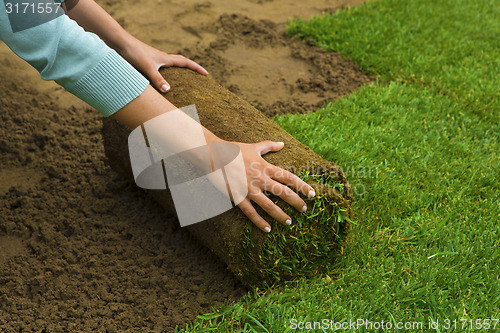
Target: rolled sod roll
307, 247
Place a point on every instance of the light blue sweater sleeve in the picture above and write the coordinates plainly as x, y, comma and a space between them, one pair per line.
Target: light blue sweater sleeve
77, 60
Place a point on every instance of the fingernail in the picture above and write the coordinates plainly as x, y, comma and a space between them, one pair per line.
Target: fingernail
267, 229
281, 143
206, 72
304, 208
288, 222
311, 194
165, 88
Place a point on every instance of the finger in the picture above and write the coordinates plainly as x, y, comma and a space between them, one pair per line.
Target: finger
181, 61
287, 194
158, 81
265, 147
290, 179
247, 209
272, 209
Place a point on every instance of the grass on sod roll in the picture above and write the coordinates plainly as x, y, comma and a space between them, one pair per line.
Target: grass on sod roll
310, 245
421, 153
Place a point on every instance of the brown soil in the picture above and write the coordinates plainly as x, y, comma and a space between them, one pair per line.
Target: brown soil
83, 249
80, 248
275, 73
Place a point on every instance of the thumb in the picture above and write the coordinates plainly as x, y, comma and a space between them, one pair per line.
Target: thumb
265, 147
159, 82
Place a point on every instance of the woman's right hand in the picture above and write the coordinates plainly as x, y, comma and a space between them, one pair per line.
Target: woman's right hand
263, 176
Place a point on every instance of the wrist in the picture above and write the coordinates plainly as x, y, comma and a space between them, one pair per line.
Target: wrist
124, 43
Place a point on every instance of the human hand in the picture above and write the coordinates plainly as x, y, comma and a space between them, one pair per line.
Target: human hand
146, 59
149, 60
263, 176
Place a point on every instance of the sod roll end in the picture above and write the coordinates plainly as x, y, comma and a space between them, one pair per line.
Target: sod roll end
310, 244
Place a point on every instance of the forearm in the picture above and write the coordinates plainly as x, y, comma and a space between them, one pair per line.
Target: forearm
79, 61
173, 132
151, 104
146, 59
93, 18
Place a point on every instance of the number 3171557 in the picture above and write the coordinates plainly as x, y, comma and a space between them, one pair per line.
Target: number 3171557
32, 8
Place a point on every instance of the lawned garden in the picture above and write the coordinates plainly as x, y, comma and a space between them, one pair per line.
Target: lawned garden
421, 149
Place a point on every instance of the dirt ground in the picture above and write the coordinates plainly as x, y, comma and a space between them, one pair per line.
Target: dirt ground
81, 248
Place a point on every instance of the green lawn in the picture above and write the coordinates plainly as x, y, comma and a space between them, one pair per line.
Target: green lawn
422, 152
451, 46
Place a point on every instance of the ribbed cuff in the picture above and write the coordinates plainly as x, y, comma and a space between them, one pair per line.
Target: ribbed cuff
110, 85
